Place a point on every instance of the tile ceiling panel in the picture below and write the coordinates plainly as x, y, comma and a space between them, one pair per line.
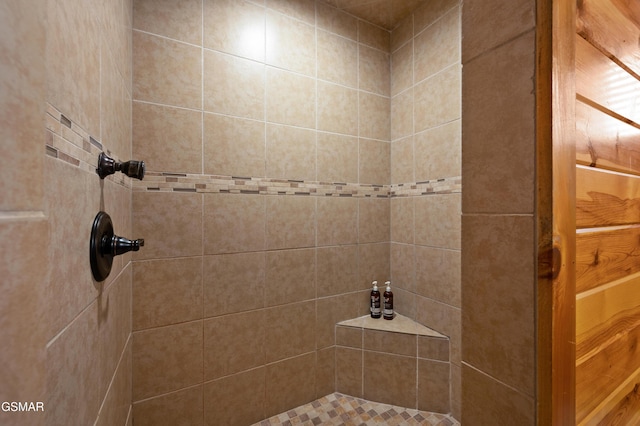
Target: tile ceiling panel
384, 13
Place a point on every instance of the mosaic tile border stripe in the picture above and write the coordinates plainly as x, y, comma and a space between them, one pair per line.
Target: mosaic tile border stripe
168, 182
69, 142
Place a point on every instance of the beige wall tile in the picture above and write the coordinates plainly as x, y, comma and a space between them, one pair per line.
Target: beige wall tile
291, 222
337, 109
402, 68
235, 27
456, 391
337, 270
433, 386
349, 371
337, 157
373, 36
373, 220
290, 276
233, 146
402, 161
289, 330
114, 323
487, 401
390, 342
180, 21
233, 343
233, 85
236, 400
23, 88
442, 229
291, 44
402, 220
374, 71
234, 283
337, 221
349, 336
438, 46
438, 274
73, 79
68, 265
325, 372
115, 108
167, 139
506, 350
375, 158
73, 381
337, 59
431, 12
434, 348
167, 233
183, 407
166, 359
438, 152
438, 99
291, 153
515, 17
402, 33
404, 302
116, 406
234, 223
402, 106
283, 389
166, 291
332, 310
403, 266
373, 264
499, 94
166, 71
395, 383
291, 98
333, 20
23, 244
303, 10
444, 319
374, 115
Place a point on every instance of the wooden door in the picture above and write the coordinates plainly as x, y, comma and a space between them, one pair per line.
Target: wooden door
607, 193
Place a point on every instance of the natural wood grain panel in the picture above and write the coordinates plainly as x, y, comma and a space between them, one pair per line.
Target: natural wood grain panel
606, 142
606, 199
604, 82
596, 312
606, 24
605, 256
601, 374
620, 407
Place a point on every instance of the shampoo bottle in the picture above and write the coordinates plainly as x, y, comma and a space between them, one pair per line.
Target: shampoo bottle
375, 301
387, 313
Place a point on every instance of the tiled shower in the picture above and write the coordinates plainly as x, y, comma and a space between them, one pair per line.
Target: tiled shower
287, 168
307, 137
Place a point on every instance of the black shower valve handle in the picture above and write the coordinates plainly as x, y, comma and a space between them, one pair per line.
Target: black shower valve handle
108, 166
116, 245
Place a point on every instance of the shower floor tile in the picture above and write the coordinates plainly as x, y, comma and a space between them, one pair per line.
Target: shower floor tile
337, 409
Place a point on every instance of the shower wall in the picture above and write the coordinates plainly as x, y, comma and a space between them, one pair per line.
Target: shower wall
426, 173
23, 225
87, 325
265, 210
284, 145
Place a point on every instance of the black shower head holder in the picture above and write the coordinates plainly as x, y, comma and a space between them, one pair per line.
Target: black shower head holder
108, 166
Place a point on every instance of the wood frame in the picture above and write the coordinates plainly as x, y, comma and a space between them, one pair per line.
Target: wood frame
555, 204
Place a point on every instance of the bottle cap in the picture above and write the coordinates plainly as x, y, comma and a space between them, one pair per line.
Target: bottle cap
388, 284
375, 285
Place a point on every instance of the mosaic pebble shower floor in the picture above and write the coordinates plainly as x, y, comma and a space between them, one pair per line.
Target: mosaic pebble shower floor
337, 409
